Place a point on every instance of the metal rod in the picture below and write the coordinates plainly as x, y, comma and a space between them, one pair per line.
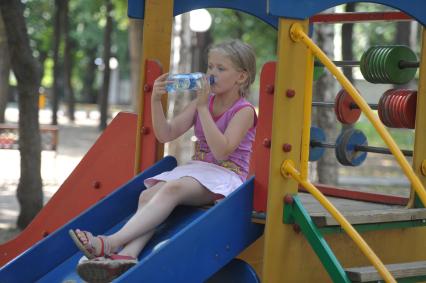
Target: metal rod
365, 148
351, 106
408, 64
350, 63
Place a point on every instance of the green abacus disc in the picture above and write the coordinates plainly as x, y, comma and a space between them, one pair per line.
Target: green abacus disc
395, 73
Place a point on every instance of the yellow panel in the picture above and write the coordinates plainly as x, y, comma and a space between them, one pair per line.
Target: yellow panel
420, 134
286, 128
392, 246
157, 34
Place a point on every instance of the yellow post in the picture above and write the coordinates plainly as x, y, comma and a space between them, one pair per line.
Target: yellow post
286, 134
419, 155
157, 34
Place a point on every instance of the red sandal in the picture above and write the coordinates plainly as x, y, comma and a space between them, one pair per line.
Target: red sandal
103, 269
87, 247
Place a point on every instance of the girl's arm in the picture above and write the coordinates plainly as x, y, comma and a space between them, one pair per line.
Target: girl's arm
222, 145
164, 130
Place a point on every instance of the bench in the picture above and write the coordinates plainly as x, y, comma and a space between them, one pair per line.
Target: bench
9, 137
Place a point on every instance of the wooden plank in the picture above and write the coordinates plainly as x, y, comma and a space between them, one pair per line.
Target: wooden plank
400, 270
372, 216
343, 205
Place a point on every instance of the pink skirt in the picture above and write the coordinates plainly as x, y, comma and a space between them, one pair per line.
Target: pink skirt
215, 178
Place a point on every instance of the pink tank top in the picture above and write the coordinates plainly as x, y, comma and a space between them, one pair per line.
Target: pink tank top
238, 161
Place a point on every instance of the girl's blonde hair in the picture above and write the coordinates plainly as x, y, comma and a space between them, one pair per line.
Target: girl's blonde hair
242, 56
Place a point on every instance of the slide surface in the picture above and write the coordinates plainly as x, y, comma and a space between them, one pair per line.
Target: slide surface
190, 246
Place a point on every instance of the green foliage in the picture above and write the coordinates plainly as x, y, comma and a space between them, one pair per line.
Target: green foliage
86, 30
404, 138
230, 24
372, 33
39, 17
87, 21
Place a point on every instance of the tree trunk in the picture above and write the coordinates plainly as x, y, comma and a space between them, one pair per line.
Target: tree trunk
347, 52
135, 50
347, 34
107, 71
4, 71
89, 90
182, 147
240, 30
69, 92
199, 53
27, 73
403, 31
403, 37
325, 90
56, 68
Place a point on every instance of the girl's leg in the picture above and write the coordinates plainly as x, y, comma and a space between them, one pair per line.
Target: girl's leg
186, 191
95, 244
134, 247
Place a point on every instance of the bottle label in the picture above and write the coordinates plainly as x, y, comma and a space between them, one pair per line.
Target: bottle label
183, 83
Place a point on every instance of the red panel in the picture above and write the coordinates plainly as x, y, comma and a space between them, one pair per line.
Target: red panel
105, 167
361, 196
359, 17
262, 143
149, 142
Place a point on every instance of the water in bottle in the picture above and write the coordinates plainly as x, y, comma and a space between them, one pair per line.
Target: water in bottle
187, 82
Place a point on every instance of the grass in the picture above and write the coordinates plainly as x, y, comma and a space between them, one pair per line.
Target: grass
404, 138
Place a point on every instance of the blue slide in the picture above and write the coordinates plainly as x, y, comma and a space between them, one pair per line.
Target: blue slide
191, 246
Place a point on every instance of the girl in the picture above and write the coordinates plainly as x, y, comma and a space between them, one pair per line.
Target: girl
224, 124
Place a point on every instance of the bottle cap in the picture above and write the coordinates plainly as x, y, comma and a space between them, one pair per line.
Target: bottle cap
212, 80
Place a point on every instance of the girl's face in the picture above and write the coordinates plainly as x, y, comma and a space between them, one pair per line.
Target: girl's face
227, 78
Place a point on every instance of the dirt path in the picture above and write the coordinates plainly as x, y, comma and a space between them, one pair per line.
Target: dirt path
75, 139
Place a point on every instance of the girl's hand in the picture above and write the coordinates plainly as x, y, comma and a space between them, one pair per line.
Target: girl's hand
159, 87
203, 94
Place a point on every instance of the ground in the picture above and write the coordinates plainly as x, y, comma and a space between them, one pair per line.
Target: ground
75, 139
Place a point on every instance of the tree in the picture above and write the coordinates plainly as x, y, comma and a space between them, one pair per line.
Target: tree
347, 51
402, 37
107, 71
325, 90
135, 51
4, 71
230, 24
68, 63
347, 35
181, 146
59, 10
27, 72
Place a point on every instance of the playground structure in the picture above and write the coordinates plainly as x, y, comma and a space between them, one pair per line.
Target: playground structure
300, 242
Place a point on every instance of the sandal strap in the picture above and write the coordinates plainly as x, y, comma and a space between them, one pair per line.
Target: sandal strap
121, 257
105, 248
102, 253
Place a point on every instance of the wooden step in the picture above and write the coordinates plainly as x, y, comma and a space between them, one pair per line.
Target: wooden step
323, 219
400, 270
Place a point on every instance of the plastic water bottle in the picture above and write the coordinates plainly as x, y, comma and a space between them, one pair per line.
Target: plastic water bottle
186, 82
